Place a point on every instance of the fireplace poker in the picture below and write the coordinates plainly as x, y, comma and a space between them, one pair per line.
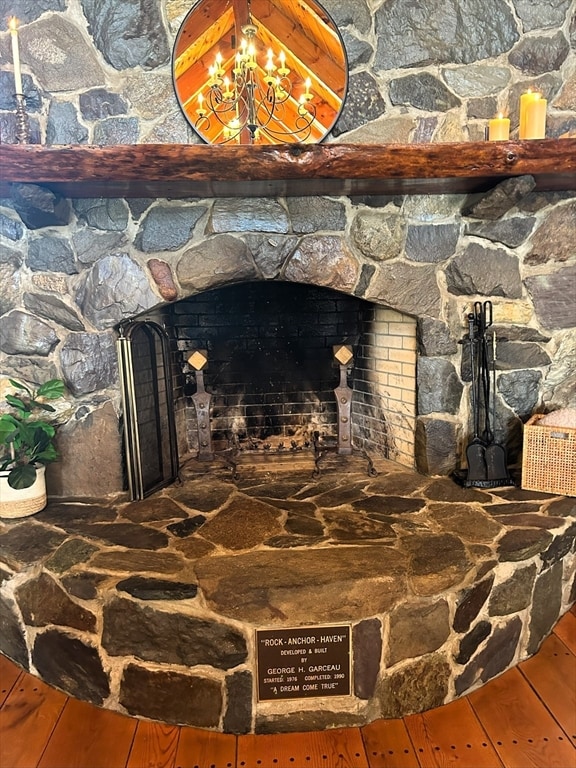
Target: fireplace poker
496, 458
475, 452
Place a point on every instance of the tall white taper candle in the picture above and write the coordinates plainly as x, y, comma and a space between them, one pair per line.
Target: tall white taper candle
13, 25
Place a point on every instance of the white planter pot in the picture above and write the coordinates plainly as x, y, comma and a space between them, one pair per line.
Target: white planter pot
24, 502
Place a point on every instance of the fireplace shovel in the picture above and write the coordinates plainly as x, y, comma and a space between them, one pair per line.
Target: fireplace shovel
476, 450
495, 454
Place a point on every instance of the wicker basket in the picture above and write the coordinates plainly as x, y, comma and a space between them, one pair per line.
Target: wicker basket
549, 458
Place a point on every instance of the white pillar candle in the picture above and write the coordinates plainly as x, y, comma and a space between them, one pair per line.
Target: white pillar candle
13, 24
499, 128
525, 99
536, 119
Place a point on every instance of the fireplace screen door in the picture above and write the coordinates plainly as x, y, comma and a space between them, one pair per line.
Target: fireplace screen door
149, 426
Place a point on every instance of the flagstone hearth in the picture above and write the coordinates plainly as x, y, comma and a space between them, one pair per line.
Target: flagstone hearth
151, 607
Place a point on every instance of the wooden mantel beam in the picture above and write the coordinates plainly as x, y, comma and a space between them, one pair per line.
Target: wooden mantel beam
193, 170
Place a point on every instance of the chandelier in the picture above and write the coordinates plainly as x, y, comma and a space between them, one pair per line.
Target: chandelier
253, 98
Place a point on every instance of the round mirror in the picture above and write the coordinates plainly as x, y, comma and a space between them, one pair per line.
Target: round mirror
260, 71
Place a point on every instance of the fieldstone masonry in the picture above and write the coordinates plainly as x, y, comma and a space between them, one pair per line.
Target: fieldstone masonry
151, 607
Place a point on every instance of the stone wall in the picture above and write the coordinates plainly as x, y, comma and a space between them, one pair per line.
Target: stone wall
151, 608
99, 72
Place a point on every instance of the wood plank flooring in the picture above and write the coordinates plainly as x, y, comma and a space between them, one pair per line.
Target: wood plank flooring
526, 718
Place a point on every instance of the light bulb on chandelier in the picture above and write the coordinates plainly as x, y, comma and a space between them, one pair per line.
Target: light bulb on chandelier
255, 98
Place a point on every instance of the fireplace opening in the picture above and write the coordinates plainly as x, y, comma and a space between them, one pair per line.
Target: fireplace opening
253, 367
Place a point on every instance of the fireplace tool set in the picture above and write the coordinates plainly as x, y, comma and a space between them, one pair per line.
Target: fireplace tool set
486, 458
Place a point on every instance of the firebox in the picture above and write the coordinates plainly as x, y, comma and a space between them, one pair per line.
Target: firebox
254, 367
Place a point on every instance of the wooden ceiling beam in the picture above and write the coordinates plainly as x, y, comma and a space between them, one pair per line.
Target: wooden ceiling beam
205, 15
310, 17
241, 14
200, 54
301, 41
323, 95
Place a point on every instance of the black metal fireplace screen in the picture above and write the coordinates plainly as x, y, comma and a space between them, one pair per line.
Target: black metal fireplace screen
147, 393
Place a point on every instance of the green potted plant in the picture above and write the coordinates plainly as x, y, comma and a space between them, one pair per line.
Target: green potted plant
26, 446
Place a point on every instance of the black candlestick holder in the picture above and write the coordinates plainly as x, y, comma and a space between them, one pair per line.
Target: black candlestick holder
22, 121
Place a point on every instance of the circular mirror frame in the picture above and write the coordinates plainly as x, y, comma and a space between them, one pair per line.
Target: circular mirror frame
313, 47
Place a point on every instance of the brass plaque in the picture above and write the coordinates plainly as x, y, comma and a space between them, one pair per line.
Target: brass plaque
303, 662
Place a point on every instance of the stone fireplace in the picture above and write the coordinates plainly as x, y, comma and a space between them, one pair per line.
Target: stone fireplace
166, 594
271, 369
413, 263
408, 269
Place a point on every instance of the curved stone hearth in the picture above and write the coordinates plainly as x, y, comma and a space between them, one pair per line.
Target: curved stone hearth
151, 607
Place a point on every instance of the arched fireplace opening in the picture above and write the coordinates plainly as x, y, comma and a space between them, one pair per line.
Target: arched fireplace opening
253, 368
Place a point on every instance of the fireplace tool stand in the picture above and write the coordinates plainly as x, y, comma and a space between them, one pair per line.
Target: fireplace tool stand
486, 458
342, 444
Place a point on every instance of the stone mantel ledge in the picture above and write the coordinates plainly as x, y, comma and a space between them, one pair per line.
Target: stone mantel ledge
183, 170
115, 601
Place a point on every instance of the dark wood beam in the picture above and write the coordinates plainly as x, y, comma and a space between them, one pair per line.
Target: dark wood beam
182, 170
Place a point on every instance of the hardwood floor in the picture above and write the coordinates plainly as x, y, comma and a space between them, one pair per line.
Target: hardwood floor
526, 718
